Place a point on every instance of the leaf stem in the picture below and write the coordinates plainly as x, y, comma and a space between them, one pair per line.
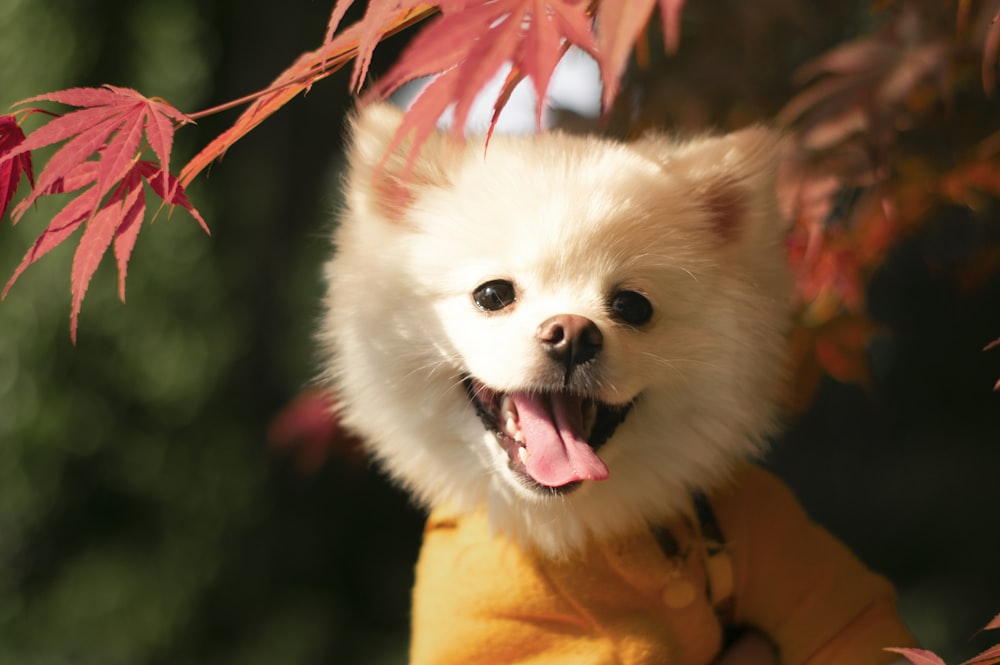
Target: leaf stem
28, 112
328, 67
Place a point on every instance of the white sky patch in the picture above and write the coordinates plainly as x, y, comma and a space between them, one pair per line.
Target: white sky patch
575, 86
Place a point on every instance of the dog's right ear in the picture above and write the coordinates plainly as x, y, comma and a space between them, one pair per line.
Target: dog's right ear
384, 172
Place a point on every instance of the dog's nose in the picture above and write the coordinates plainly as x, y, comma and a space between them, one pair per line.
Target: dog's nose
570, 339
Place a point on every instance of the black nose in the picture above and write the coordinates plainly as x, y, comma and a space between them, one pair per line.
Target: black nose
570, 339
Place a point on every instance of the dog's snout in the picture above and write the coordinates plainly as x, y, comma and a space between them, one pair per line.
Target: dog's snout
570, 339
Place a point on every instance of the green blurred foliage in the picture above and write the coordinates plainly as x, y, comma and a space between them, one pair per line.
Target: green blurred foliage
143, 518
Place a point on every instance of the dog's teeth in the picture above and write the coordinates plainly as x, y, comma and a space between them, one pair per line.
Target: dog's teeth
508, 412
522, 454
513, 431
507, 408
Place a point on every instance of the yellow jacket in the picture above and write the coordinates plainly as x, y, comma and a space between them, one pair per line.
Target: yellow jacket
480, 598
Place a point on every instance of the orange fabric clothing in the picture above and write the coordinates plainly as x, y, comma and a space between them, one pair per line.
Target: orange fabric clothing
480, 598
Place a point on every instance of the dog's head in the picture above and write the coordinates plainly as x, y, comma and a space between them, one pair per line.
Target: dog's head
567, 332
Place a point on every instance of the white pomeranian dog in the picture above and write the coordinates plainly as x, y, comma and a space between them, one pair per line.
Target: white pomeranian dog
569, 349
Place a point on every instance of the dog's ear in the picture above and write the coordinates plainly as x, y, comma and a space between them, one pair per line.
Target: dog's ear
384, 173
732, 177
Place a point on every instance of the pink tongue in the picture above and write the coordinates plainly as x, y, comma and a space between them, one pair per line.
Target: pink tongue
557, 454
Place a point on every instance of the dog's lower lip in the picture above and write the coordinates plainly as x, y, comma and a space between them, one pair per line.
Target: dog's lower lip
497, 413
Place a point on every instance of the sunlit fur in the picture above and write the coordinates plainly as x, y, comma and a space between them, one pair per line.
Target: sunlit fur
692, 225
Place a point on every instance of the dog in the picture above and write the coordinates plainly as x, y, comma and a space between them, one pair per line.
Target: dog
571, 350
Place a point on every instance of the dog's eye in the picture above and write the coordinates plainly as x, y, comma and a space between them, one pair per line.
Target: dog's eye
631, 308
495, 295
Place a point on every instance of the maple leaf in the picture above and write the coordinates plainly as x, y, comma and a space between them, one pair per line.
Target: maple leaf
994, 624
308, 429
919, 656
841, 349
11, 138
991, 655
111, 121
102, 157
862, 87
988, 657
994, 345
382, 20
379, 20
469, 43
836, 347
464, 47
991, 47
619, 25
530, 35
843, 126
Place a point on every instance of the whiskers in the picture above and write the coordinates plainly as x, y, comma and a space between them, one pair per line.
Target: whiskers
672, 363
436, 367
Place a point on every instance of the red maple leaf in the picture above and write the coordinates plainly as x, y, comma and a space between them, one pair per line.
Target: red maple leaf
466, 46
472, 39
619, 26
994, 624
111, 122
867, 86
989, 657
383, 19
923, 657
380, 20
919, 656
102, 157
11, 137
991, 47
308, 429
531, 35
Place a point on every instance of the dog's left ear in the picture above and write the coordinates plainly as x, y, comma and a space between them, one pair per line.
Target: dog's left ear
385, 174
732, 177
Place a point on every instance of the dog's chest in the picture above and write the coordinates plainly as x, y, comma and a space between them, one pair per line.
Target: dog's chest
656, 596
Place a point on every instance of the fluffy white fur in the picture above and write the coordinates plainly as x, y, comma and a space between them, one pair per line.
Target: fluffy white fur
692, 225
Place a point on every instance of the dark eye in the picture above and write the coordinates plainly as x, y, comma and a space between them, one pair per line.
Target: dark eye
631, 308
494, 296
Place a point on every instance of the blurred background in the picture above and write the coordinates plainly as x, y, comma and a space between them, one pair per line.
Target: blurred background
148, 517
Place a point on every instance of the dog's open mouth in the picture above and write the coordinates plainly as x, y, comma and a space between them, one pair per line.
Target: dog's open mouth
551, 438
